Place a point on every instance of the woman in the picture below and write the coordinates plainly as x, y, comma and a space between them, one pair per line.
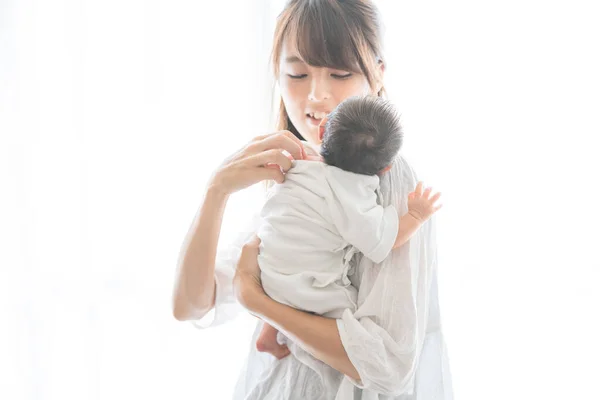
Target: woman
391, 347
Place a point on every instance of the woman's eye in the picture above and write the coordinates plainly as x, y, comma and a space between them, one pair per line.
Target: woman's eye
339, 76
297, 76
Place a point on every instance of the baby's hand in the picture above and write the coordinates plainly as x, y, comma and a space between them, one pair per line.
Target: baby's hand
421, 205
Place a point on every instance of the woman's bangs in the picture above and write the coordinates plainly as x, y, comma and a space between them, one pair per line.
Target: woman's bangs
323, 40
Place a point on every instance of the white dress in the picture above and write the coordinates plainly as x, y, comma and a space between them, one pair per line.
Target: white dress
394, 338
311, 226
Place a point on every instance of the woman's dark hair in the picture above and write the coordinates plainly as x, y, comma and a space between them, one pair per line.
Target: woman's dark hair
340, 34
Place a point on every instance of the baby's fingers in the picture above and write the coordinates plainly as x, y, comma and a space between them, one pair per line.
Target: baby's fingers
426, 193
419, 189
435, 198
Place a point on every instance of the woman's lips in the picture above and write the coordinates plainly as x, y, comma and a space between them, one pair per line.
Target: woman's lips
313, 121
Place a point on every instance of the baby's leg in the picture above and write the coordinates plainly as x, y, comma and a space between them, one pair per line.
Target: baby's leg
267, 342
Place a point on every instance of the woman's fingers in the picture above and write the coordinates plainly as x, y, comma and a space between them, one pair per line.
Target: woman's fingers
298, 142
261, 137
250, 250
275, 174
271, 157
253, 242
283, 140
252, 163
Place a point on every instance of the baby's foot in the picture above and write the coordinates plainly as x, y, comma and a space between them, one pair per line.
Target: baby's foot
267, 343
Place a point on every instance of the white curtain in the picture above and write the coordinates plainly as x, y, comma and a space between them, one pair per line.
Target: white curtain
113, 115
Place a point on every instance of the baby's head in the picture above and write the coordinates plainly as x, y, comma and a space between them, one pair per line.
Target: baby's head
362, 135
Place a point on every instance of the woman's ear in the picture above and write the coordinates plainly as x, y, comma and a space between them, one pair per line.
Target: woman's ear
322, 129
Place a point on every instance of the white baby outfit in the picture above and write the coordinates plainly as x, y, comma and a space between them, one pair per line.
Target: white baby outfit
311, 226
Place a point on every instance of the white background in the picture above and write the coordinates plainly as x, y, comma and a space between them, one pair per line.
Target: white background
113, 114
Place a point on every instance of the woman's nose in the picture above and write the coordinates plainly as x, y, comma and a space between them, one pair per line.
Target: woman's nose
319, 90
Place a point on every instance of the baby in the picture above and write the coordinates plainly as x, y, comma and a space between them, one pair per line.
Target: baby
325, 212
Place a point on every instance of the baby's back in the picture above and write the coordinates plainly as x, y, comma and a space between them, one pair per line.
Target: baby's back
298, 230
297, 233
304, 258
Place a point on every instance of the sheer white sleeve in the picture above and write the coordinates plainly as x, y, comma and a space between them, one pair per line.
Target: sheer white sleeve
383, 338
226, 306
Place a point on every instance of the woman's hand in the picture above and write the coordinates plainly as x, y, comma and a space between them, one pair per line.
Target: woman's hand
247, 285
259, 160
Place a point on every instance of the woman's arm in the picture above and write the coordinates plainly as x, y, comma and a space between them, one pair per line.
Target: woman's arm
194, 293
194, 289
315, 334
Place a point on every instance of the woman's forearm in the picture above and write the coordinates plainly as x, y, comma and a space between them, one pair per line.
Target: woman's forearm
194, 291
315, 334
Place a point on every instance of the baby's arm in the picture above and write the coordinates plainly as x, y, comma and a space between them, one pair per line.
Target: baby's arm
421, 206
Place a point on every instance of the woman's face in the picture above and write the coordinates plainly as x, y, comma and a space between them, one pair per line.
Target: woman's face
310, 93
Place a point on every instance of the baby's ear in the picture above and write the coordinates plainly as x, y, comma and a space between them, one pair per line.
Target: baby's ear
322, 129
386, 169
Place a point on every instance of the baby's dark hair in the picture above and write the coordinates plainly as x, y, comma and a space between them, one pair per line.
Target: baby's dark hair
362, 135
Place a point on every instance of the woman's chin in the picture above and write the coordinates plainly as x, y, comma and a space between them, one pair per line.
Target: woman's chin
311, 135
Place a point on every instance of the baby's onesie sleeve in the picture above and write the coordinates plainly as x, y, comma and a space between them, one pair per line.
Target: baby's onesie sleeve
358, 217
226, 305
